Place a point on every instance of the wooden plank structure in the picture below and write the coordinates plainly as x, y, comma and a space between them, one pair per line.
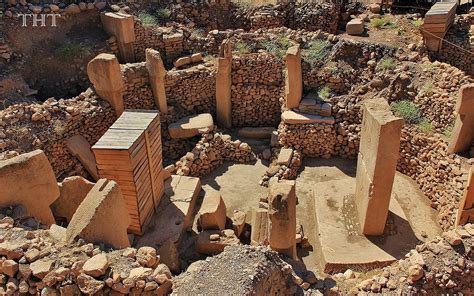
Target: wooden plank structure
130, 154
437, 22
465, 212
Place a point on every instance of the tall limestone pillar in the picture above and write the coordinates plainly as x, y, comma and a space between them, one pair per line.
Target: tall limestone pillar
465, 212
282, 217
157, 73
294, 77
224, 86
463, 132
104, 73
376, 165
122, 26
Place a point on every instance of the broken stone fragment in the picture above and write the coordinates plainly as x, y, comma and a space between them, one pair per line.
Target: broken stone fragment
146, 256
190, 126
238, 222
72, 190
96, 266
212, 214
212, 242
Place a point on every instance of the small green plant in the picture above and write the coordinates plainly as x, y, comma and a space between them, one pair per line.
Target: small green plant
147, 19
425, 126
277, 46
243, 47
382, 23
417, 23
68, 52
407, 110
163, 14
317, 52
324, 92
427, 87
197, 33
386, 64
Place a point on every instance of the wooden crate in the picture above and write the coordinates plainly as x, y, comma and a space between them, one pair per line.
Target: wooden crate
130, 154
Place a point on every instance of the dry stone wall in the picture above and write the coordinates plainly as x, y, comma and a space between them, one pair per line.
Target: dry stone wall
137, 93
257, 90
47, 126
192, 90
210, 152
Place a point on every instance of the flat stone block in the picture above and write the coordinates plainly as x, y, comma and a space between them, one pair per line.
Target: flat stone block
212, 214
191, 126
355, 27
212, 242
292, 117
284, 158
73, 190
81, 149
256, 132
260, 228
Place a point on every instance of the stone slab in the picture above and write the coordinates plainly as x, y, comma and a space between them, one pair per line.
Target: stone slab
175, 212
73, 190
190, 126
292, 117
81, 149
256, 132
284, 158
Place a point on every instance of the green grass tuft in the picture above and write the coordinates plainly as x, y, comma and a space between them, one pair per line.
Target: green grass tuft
386, 64
382, 23
243, 47
317, 52
324, 92
417, 23
408, 111
425, 126
67, 52
147, 19
278, 46
163, 14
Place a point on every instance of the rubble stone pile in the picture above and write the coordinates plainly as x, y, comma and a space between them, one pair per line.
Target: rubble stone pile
35, 260
257, 89
210, 152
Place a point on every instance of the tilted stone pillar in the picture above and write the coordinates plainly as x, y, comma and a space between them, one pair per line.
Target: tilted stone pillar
121, 25
104, 73
294, 77
157, 73
224, 85
463, 132
282, 217
465, 212
376, 165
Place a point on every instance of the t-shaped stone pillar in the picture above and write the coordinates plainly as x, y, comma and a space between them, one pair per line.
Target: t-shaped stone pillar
104, 73
121, 25
224, 85
29, 180
157, 73
282, 216
376, 165
463, 132
294, 77
465, 212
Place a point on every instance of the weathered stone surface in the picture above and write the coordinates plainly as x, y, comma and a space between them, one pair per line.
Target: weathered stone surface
169, 256
212, 242
191, 126
282, 215
284, 158
260, 231
212, 214
81, 149
146, 256
224, 86
121, 25
462, 135
292, 117
376, 165
88, 285
238, 222
102, 216
355, 27
157, 73
104, 73
294, 77
72, 190
96, 266
466, 205
40, 268
34, 182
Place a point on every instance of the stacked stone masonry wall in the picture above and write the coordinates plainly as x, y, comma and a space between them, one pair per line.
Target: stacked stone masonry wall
257, 90
137, 93
192, 90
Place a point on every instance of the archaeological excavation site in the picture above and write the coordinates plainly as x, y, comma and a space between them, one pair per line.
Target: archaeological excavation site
236, 147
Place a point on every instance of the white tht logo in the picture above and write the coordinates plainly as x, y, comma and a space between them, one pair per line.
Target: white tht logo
38, 20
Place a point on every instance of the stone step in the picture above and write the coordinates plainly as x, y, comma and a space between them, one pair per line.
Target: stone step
256, 132
294, 117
